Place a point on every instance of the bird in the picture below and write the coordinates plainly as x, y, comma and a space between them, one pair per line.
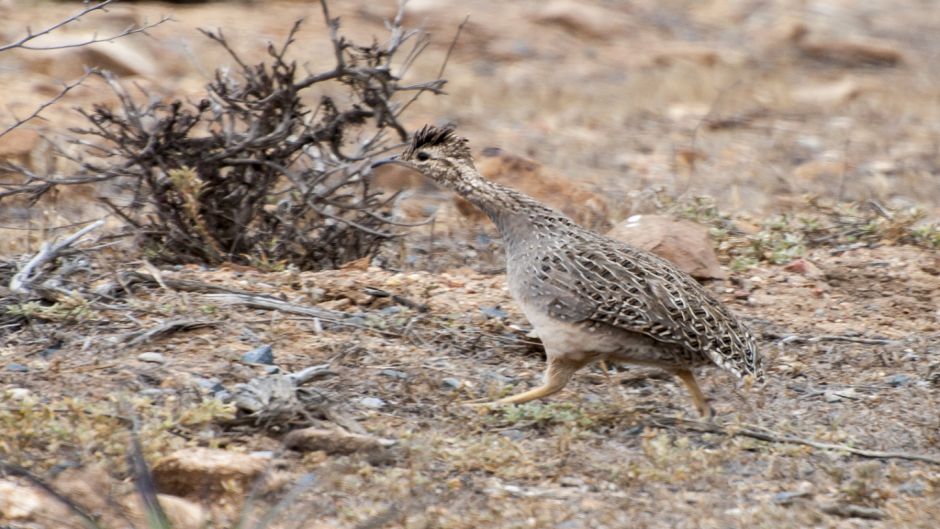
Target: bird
588, 297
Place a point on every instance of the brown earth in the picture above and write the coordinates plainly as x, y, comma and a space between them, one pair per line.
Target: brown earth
620, 104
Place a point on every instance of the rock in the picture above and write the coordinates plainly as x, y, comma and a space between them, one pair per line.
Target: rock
856, 52
17, 368
199, 471
336, 441
898, 380
682, 242
804, 267
584, 207
372, 403
18, 145
182, 513
394, 373
261, 355
18, 394
122, 57
913, 488
494, 312
451, 383
699, 53
155, 358
827, 94
581, 19
18, 502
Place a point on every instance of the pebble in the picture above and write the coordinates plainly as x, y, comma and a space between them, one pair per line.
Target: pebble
451, 382
261, 355
494, 312
152, 357
912, 487
17, 393
210, 384
898, 380
17, 368
372, 402
394, 373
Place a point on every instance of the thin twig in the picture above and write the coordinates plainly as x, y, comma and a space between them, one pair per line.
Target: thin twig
66, 88
763, 434
21, 43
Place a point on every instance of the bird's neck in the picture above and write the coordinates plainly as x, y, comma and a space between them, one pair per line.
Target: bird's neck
509, 209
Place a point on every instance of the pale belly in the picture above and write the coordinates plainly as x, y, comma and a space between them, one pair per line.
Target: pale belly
575, 342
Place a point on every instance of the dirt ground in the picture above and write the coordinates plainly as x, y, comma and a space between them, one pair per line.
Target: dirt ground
758, 105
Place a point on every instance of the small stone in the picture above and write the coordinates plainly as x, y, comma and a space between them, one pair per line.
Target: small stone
154, 358
153, 392
372, 403
394, 373
898, 380
450, 382
912, 487
261, 355
17, 368
272, 370
17, 393
213, 385
494, 312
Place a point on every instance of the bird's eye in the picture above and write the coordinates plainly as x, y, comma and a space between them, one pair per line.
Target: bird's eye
423, 156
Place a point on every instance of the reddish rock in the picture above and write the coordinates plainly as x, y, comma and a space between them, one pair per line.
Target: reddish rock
201, 471
581, 19
584, 207
682, 242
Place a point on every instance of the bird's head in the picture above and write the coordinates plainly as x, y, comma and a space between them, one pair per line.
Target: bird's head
439, 154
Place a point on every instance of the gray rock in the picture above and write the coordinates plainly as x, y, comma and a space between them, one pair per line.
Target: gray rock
494, 312
450, 382
152, 357
912, 487
17, 368
261, 355
394, 373
898, 380
372, 402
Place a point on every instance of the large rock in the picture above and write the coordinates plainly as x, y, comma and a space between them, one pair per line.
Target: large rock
584, 207
582, 19
198, 472
682, 242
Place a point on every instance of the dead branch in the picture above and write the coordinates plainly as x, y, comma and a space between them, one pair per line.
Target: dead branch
30, 272
763, 434
166, 328
22, 41
839, 338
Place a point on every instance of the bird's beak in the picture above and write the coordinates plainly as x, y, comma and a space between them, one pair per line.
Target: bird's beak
385, 161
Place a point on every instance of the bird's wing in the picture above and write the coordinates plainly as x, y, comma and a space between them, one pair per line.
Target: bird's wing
620, 286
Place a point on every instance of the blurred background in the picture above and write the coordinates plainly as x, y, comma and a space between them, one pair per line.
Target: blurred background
761, 105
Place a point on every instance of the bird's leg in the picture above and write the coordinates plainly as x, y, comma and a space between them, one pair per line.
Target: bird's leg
557, 375
700, 403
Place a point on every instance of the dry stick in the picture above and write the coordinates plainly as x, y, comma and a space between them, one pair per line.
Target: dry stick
137, 338
763, 434
838, 338
23, 279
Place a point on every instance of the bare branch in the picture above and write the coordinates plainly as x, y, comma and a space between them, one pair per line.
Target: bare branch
22, 41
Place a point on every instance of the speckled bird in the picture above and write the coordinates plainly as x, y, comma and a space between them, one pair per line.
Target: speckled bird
590, 297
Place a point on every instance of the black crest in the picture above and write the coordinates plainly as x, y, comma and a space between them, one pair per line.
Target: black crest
430, 136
